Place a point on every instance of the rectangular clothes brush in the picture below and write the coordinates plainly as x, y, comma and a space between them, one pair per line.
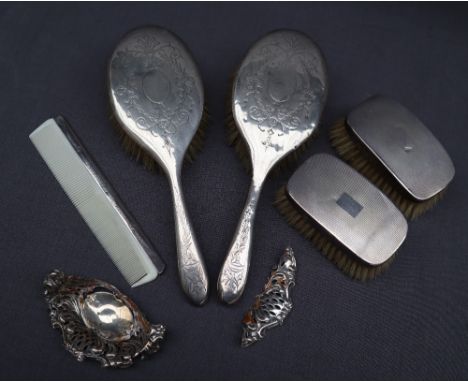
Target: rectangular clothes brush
344, 215
390, 146
96, 201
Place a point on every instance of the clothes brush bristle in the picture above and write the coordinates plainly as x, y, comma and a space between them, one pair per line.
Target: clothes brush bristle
358, 156
325, 243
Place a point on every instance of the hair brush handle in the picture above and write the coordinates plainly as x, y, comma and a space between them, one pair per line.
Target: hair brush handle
233, 275
192, 270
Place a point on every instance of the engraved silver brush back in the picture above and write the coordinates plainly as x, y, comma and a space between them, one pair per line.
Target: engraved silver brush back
157, 97
278, 95
404, 145
349, 208
156, 92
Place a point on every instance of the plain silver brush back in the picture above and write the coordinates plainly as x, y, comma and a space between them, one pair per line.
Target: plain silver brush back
404, 145
349, 208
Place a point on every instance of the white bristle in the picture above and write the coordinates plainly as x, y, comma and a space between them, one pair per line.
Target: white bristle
98, 207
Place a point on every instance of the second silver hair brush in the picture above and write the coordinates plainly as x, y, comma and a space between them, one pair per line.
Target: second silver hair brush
278, 95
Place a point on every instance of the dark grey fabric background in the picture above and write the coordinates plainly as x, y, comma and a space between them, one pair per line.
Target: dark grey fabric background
410, 323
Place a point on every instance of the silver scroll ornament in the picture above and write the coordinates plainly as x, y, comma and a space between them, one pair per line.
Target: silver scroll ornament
273, 305
98, 321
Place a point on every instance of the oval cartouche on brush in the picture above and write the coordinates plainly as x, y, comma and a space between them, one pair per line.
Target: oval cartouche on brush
390, 146
278, 95
346, 217
156, 94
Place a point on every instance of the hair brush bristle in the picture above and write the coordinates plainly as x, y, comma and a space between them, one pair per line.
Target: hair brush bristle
324, 242
142, 156
236, 140
358, 156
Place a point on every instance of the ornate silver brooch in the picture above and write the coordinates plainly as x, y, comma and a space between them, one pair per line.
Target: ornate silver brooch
98, 321
273, 305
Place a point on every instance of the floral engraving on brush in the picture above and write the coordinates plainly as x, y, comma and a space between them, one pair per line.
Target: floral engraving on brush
194, 279
282, 88
232, 278
234, 272
154, 84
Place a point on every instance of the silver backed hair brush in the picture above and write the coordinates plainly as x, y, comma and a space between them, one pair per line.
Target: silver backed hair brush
278, 95
156, 95
96, 201
391, 147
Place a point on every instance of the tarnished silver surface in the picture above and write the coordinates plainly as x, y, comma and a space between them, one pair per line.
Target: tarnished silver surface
404, 145
157, 97
99, 322
274, 304
278, 96
348, 207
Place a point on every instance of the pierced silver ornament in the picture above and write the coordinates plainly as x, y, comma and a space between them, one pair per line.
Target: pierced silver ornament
274, 304
97, 321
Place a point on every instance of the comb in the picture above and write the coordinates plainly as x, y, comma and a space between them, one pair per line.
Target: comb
96, 201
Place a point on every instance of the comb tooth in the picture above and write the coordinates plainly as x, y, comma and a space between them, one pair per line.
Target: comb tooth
96, 202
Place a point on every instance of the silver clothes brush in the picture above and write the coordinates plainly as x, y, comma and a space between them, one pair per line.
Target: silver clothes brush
156, 95
278, 95
345, 216
97, 202
391, 147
